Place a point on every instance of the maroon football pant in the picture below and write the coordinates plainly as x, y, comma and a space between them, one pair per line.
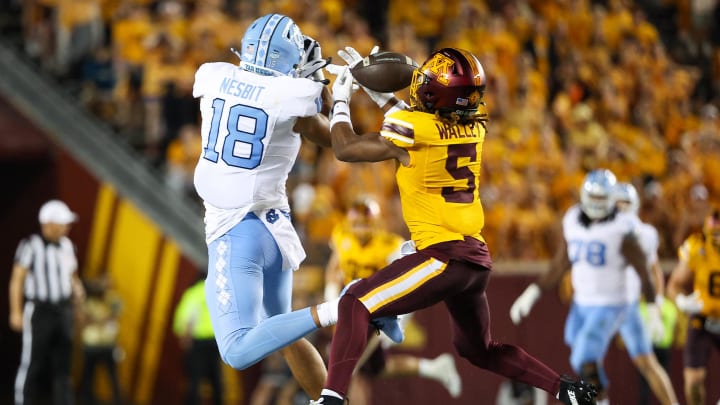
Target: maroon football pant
699, 343
455, 273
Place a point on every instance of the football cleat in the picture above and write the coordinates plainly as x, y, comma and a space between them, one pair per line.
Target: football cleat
444, 366
390, 326
576, 392
328, 400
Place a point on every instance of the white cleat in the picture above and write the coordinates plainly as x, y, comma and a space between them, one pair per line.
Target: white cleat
447, 374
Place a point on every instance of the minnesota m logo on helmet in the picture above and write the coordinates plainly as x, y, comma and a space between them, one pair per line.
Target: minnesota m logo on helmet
440, 65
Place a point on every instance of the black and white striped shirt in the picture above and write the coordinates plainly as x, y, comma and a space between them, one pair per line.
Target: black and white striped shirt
50, 268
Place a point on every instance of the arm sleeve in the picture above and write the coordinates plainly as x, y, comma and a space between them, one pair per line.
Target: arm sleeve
301, 97
198, 85
398, 130
24, 254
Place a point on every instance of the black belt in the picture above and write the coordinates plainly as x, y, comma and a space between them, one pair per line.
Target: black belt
62, 302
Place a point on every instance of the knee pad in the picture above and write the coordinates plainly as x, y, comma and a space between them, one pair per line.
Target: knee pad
589, 373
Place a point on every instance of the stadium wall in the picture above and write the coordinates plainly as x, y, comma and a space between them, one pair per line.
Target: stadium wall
150, 273
541, 334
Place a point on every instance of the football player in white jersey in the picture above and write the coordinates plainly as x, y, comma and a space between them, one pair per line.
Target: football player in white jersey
661, 334
599, 245
253, 118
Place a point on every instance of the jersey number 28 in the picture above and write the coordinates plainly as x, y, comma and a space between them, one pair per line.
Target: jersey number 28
250, 142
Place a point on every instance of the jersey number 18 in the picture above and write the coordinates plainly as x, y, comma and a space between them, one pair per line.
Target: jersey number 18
252, 140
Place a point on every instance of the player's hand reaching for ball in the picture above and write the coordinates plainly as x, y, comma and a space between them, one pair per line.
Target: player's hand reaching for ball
352, 58
342, 88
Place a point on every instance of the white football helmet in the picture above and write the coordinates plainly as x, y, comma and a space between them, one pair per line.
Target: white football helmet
596, 194
626, 192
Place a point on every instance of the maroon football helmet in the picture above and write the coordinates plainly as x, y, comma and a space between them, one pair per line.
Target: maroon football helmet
450, 80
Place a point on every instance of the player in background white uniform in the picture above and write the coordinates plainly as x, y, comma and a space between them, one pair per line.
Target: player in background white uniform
253, 118
598, 246
627, 200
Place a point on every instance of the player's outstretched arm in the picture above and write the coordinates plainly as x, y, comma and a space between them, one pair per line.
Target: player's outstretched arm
548, 280
386, 101
349, 146
316, 128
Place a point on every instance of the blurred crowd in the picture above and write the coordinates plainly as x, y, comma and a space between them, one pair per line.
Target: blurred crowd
573, 85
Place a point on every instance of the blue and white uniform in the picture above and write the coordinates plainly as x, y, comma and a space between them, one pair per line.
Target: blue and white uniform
602, 298
249, 147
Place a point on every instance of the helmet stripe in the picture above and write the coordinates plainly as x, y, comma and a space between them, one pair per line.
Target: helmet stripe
473, 62
268, 31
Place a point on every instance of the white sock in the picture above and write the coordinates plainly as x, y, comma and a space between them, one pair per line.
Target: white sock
330, 393
328, 312
425, 368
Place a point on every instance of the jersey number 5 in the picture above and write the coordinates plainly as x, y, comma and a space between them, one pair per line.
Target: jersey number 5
455, 152
250, 142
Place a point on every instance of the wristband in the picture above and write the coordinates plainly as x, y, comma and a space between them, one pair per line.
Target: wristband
340, 113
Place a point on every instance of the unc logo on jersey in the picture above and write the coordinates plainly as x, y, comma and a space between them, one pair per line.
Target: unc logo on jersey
272, 216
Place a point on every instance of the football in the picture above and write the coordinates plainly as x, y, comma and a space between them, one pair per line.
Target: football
385, 71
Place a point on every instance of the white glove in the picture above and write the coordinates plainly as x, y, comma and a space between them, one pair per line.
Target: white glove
524, 303
342, 89
690, 304
312, 62
654, 323
352, 58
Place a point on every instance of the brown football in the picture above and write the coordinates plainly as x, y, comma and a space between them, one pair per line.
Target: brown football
385, 71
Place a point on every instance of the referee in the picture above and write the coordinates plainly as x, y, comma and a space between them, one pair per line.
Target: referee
43, 285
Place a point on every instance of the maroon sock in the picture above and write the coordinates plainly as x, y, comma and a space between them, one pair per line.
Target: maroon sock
515, 363
348, 343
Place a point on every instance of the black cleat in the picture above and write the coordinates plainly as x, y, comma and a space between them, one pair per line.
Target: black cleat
576, 392
329, 400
